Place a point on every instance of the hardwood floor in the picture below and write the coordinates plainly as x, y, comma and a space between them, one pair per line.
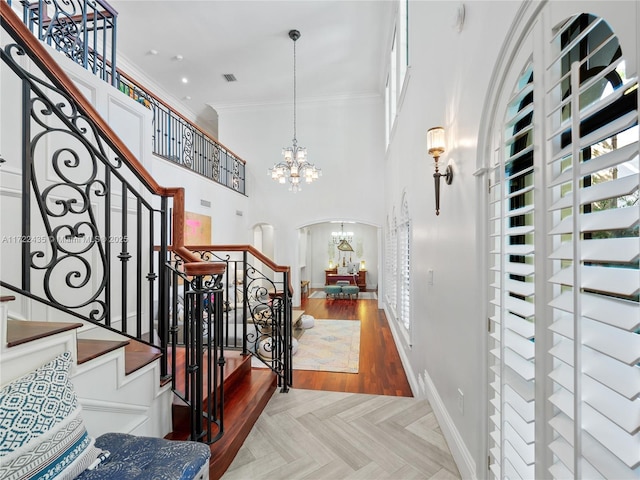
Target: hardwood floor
380, 369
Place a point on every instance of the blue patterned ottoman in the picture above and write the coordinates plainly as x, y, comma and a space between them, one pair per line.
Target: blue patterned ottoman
148, 458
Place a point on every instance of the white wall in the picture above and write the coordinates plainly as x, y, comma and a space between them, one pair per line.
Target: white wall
449, 77
343, 137
227, 208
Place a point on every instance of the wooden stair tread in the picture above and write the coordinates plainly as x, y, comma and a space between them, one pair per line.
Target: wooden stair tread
23, 331
138, 355
236, 368
88, 349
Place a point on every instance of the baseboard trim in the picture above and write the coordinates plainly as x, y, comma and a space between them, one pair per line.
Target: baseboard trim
464, 461
461, 455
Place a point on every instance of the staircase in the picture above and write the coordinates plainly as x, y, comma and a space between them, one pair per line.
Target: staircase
69, 186
129, 396
117, 381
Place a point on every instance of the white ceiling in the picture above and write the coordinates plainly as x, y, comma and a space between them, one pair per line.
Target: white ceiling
341, 51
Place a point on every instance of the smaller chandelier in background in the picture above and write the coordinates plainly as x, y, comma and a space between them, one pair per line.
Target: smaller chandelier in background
295, 166
342, 236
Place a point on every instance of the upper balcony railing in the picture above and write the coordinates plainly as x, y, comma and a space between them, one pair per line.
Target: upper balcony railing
86, 32
178, 140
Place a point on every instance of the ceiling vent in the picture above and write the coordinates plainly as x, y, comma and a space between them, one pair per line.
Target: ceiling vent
229, 77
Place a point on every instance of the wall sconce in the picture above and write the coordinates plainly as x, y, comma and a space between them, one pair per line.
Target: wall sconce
435, 147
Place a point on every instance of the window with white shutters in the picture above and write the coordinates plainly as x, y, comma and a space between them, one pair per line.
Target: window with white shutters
564, 304
393, 290
388, 261
404, 270
512, 271
593, 179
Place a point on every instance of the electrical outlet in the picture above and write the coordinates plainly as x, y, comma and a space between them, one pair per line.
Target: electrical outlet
430, 277
461, 401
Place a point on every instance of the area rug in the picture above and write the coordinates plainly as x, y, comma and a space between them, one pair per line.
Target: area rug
330, 346
361, 295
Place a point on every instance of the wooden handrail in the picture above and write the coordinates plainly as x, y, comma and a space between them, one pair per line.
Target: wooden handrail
239, 248
246, 248
39, 54
242, 248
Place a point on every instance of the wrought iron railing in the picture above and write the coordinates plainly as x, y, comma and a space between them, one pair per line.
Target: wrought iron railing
247, 308
86, 31
85, 230
256, 313
180, 141
195, 331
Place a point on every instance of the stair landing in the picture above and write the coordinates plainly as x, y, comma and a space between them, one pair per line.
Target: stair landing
246, 392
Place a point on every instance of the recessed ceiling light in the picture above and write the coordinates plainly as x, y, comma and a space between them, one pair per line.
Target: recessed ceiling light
188, 97
153, 52
178, 57
185, 80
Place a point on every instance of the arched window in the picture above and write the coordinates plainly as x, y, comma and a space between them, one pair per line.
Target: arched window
392, 293
564, 340
404, 270
512, 374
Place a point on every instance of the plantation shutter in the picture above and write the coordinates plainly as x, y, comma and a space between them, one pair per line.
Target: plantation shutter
388, 263
393, 292
405, 280
593, 180
512, 310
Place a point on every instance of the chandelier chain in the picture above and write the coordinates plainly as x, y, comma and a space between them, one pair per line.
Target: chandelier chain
295, 141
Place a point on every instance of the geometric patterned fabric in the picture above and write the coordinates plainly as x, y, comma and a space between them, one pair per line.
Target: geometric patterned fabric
42, 434
34, 403
148, 458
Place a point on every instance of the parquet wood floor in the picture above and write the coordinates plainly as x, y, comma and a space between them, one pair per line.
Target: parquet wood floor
338, 426
310, 434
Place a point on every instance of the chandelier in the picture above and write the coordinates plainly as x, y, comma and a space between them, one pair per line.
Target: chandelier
343, 239
295, 165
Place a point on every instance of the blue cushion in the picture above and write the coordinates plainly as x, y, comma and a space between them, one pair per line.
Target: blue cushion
350, 289
332, 289
147, 458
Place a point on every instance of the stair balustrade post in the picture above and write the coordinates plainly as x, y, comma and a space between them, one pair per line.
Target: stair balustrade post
195, 366
27, 164
245, 302
163, 288
286, 349
216, 408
